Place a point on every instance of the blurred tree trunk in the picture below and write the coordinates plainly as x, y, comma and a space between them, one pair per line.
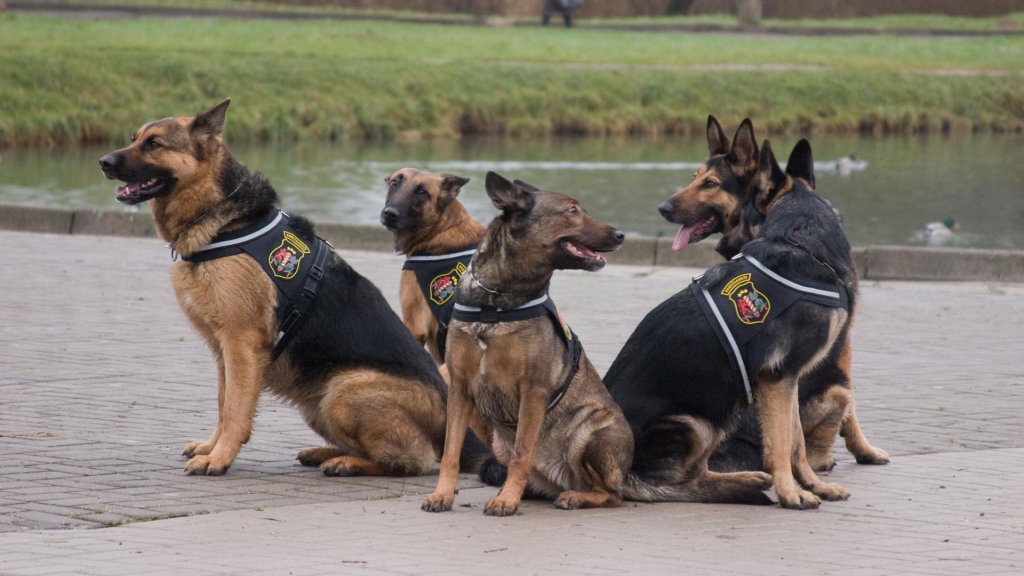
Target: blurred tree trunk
748, 12
676, 7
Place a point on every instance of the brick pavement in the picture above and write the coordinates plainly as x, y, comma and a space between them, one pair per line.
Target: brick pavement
102, 383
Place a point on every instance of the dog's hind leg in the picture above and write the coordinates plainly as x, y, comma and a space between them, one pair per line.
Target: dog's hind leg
354, 466
856, 443
244, 360
778, 407
317, 455
605, 464
802, 469
821, 418
200, 448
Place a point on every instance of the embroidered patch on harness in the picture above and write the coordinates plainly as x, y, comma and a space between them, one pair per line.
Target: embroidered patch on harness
752, 307
443, 287
286, 258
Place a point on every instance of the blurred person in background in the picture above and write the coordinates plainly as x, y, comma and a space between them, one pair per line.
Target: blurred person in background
565, 7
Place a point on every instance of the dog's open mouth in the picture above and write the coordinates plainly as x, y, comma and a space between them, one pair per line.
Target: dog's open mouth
582, 253
135, 192
696, 232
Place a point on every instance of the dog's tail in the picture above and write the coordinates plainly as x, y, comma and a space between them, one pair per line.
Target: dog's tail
475, 455
716, 491
493, 473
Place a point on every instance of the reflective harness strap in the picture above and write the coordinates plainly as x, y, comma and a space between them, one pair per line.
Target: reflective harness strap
533, 309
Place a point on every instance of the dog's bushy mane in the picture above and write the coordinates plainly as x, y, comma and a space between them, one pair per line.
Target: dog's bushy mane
807, 219
255, 198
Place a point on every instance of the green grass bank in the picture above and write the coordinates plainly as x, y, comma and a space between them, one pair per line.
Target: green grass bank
73, 81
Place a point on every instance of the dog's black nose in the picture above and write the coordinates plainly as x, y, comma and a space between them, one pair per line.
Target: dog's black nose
389, 215
619, 236
108, 162
665, 208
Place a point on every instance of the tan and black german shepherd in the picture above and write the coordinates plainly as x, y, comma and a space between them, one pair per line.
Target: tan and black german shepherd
355, 374
556, 427
715, 202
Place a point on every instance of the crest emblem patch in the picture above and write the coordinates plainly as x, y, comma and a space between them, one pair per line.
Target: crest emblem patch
286, 258
752, 307
442, 287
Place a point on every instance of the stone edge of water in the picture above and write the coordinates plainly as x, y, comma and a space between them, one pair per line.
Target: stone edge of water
873, 262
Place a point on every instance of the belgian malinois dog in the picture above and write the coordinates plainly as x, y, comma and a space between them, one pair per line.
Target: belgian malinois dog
355, 373
423, 212
716, 201
513, 358
827, 403
681, 409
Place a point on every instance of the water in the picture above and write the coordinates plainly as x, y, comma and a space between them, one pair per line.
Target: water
908, 182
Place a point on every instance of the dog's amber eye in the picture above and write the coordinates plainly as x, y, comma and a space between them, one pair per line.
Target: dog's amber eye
422, 191
151, 144
574, 210
709, 184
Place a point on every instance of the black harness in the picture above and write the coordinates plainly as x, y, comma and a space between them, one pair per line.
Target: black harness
438, 275
742, 304
295, 267
533, 309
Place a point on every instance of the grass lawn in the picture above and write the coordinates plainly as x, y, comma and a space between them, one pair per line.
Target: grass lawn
66, 81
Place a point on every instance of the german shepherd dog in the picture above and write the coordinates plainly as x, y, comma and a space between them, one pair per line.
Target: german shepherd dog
355, 373
681, 410
424, 214
827, 405
578, 449
716, 201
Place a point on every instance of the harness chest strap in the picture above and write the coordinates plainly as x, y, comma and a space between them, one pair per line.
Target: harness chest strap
295, 268
740, 305
437, 276
536, 308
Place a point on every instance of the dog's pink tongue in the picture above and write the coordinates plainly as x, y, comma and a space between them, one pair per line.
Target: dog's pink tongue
683, 237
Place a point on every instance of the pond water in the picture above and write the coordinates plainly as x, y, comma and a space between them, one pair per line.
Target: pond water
902, 185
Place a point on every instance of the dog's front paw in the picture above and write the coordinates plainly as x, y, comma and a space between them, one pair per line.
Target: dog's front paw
501, 507
438, 502
761, 480
873, 456
197, 448
831, 492
798, 500
207, 465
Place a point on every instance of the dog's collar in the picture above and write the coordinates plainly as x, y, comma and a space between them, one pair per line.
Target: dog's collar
531, 304
170, 245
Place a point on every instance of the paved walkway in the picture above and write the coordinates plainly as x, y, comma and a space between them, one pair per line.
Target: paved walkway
102, 383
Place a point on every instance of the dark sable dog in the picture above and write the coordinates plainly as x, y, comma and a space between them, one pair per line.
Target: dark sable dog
556, 427
356, 375
827, 402
681, 410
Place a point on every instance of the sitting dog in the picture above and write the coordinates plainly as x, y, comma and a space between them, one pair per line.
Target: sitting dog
724, 343
514, 360
282, 312
827, 405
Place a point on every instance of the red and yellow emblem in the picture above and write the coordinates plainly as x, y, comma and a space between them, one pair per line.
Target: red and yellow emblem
752, 307
442, 287
286, 258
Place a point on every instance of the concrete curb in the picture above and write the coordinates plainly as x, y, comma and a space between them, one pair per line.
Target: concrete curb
873, 262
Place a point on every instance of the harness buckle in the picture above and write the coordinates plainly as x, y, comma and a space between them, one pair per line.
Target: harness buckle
290, 320
488, 314
316, 272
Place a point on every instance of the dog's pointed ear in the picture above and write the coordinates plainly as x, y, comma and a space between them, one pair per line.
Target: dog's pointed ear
452, 184
210, 123
769, 180
506, 196
743, 155
524, 186
718, 143
801, 163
